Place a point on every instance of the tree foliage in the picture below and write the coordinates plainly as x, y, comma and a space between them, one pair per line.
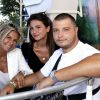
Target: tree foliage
10, 8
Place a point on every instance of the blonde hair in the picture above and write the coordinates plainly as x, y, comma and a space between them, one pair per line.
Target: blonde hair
5, 29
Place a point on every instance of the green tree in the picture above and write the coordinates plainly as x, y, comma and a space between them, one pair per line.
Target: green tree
10, 8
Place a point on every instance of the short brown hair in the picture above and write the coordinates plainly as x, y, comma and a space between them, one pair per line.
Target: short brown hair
64, 16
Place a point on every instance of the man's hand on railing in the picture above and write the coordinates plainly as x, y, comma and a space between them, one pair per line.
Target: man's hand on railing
45, 83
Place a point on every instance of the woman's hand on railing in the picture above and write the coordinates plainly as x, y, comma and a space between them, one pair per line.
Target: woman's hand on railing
45, 83
19, 79
16, 82
7, 89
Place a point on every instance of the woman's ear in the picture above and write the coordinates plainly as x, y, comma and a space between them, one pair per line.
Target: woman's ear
48, 28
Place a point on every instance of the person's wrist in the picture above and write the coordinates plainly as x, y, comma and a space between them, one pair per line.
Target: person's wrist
13, 84
53, 77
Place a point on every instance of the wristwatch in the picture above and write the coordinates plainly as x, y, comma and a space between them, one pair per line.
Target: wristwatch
53, 77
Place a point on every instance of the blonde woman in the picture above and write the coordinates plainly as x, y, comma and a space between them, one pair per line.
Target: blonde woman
12, 63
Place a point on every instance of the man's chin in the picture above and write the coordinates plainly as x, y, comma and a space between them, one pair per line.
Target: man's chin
61, 45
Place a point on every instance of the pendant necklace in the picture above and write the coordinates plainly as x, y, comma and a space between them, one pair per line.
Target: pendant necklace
43, 58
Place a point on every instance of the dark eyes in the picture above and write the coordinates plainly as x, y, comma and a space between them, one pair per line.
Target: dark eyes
55, 30
9, 38
37, 27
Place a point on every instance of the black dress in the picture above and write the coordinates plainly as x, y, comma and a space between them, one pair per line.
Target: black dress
31, 58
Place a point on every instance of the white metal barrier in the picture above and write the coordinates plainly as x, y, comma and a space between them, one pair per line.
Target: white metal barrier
48, 90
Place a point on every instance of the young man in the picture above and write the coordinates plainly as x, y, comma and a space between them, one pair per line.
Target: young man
77, 60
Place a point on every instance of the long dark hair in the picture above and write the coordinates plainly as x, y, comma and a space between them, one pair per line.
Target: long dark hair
47, 22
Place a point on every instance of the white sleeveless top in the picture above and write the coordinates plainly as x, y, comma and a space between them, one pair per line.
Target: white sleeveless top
4, 79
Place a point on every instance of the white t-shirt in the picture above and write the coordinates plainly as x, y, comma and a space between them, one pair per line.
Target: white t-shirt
80, 52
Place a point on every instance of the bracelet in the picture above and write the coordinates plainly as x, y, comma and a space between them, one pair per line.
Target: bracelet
13, 84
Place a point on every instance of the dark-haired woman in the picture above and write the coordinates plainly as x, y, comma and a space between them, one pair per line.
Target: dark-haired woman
41, 45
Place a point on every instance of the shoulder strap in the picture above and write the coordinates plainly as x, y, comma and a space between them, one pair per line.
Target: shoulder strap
57, 62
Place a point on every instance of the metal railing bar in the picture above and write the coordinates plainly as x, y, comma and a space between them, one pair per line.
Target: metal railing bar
48, 90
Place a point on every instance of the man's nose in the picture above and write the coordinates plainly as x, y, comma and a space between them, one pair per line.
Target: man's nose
60, 34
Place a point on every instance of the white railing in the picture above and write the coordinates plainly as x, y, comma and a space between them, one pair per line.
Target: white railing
48, 90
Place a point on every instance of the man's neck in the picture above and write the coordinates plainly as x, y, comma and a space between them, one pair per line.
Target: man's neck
68, 49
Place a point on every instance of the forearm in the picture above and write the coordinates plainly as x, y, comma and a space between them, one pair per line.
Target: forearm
89, 67
32, 79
